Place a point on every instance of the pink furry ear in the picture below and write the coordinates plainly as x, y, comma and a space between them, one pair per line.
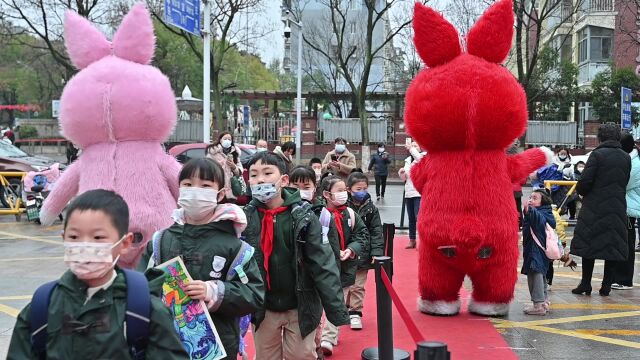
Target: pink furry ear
435, 38
134, 40
491, 36
85, 44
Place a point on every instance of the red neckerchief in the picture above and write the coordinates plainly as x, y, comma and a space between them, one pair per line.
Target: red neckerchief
337, 215
266, 237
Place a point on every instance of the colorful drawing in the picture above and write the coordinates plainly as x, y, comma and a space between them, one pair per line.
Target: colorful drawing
191, 318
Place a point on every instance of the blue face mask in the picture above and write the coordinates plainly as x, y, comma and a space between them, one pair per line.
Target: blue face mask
359, 196
264, 192
340, 148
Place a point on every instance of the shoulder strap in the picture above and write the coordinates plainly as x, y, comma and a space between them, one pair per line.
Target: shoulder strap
39, 317
156, 243
242, 258
138, 313
352, 217
325, 217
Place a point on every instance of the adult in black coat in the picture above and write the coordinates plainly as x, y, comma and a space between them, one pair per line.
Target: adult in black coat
601, 231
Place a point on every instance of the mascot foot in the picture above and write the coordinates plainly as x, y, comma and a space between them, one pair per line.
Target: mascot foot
488, 309
439, 307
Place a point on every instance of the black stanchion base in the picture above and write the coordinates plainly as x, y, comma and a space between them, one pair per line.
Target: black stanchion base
372, 354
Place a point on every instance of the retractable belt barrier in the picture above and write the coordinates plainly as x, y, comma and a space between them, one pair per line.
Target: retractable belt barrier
385, 296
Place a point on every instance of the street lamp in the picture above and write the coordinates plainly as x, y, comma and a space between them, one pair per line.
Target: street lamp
287, 34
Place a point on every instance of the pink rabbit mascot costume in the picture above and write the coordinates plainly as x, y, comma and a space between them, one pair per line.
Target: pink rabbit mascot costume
465, 109
119, 110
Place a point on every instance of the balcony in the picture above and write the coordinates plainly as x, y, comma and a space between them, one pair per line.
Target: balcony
588, 71
595, 6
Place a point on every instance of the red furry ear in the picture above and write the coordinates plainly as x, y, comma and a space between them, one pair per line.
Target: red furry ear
491, 36
435, 38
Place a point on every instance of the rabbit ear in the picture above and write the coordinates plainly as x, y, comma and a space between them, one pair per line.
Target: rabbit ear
85, 44
491, 36
134, 40
436, 40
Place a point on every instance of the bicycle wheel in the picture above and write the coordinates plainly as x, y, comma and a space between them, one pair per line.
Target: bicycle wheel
10, 195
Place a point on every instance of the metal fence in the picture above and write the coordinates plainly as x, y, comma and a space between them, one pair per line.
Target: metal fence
380, 130
187, 131
551, 132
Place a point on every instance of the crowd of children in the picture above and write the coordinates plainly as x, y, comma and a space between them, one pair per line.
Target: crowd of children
310, 238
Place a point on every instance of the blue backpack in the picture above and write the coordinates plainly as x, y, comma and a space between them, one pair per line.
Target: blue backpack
137, 317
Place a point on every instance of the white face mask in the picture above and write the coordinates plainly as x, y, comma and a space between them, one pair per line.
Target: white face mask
339, 198
307, 195
225, 143
89, 260
197, 202
381, 149
318, 174
261, 149
340, 148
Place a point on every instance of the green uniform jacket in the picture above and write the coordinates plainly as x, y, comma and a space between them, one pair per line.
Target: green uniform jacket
371, 217
202, 245
356, 239
106, 342
317, 282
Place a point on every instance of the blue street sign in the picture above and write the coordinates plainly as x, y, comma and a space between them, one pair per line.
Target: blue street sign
184, 14
625, 108
245, 113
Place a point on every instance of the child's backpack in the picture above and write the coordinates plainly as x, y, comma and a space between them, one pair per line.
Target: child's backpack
553, 251
138, 313
325, 221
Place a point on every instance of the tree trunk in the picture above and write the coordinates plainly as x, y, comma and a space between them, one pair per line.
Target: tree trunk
364, 130
218, 122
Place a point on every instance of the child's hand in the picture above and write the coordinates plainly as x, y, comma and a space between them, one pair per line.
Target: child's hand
196, 290
346, 254
525, 209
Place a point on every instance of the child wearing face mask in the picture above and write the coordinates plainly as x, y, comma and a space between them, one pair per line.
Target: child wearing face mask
298, 265
87, 305
360, 201
349, 238
303, 178
206, 235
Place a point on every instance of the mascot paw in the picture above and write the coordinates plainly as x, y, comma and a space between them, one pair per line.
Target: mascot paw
548, 153
488, 309
47, 219
439, 307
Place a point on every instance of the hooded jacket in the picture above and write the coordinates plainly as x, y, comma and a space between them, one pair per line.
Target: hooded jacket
315, 278
208, 252
534, 258
633, 186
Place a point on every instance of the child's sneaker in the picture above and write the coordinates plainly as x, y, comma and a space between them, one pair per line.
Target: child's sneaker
535, 309
547, 305
356, 322
327, 348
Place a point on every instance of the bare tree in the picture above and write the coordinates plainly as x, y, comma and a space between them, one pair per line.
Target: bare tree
228, 32
353, 38
43, 19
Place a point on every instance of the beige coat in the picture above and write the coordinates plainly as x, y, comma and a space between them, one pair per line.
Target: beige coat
347, 163
216, 154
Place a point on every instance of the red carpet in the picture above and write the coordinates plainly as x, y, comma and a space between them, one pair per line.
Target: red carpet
467, 336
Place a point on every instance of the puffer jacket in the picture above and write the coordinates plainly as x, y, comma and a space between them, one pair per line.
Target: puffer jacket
633, 187
371, 217
217, 153
601, 231
534, 258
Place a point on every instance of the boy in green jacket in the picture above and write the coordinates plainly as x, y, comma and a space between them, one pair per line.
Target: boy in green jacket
205, 234
298, 267
360, 201
86, 310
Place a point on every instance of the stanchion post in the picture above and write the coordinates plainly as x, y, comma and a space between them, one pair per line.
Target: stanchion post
388, 232
404, 203
385, 320
429, 350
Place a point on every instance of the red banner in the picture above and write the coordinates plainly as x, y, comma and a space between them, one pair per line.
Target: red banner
20, 107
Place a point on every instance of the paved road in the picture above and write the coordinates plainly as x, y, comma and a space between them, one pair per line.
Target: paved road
578, 327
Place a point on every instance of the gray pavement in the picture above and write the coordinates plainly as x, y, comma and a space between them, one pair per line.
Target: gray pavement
578, 327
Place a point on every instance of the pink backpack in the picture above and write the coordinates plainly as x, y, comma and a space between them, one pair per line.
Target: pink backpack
553, 250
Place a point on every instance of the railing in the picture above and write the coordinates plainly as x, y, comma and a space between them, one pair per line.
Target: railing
588, 71
276, 131
592, 6
551, 132
380, 130
187, 131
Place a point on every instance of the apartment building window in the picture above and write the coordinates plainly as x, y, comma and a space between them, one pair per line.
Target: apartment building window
595, 44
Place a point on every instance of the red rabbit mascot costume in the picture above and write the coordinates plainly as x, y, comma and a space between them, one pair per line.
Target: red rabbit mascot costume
465, 109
